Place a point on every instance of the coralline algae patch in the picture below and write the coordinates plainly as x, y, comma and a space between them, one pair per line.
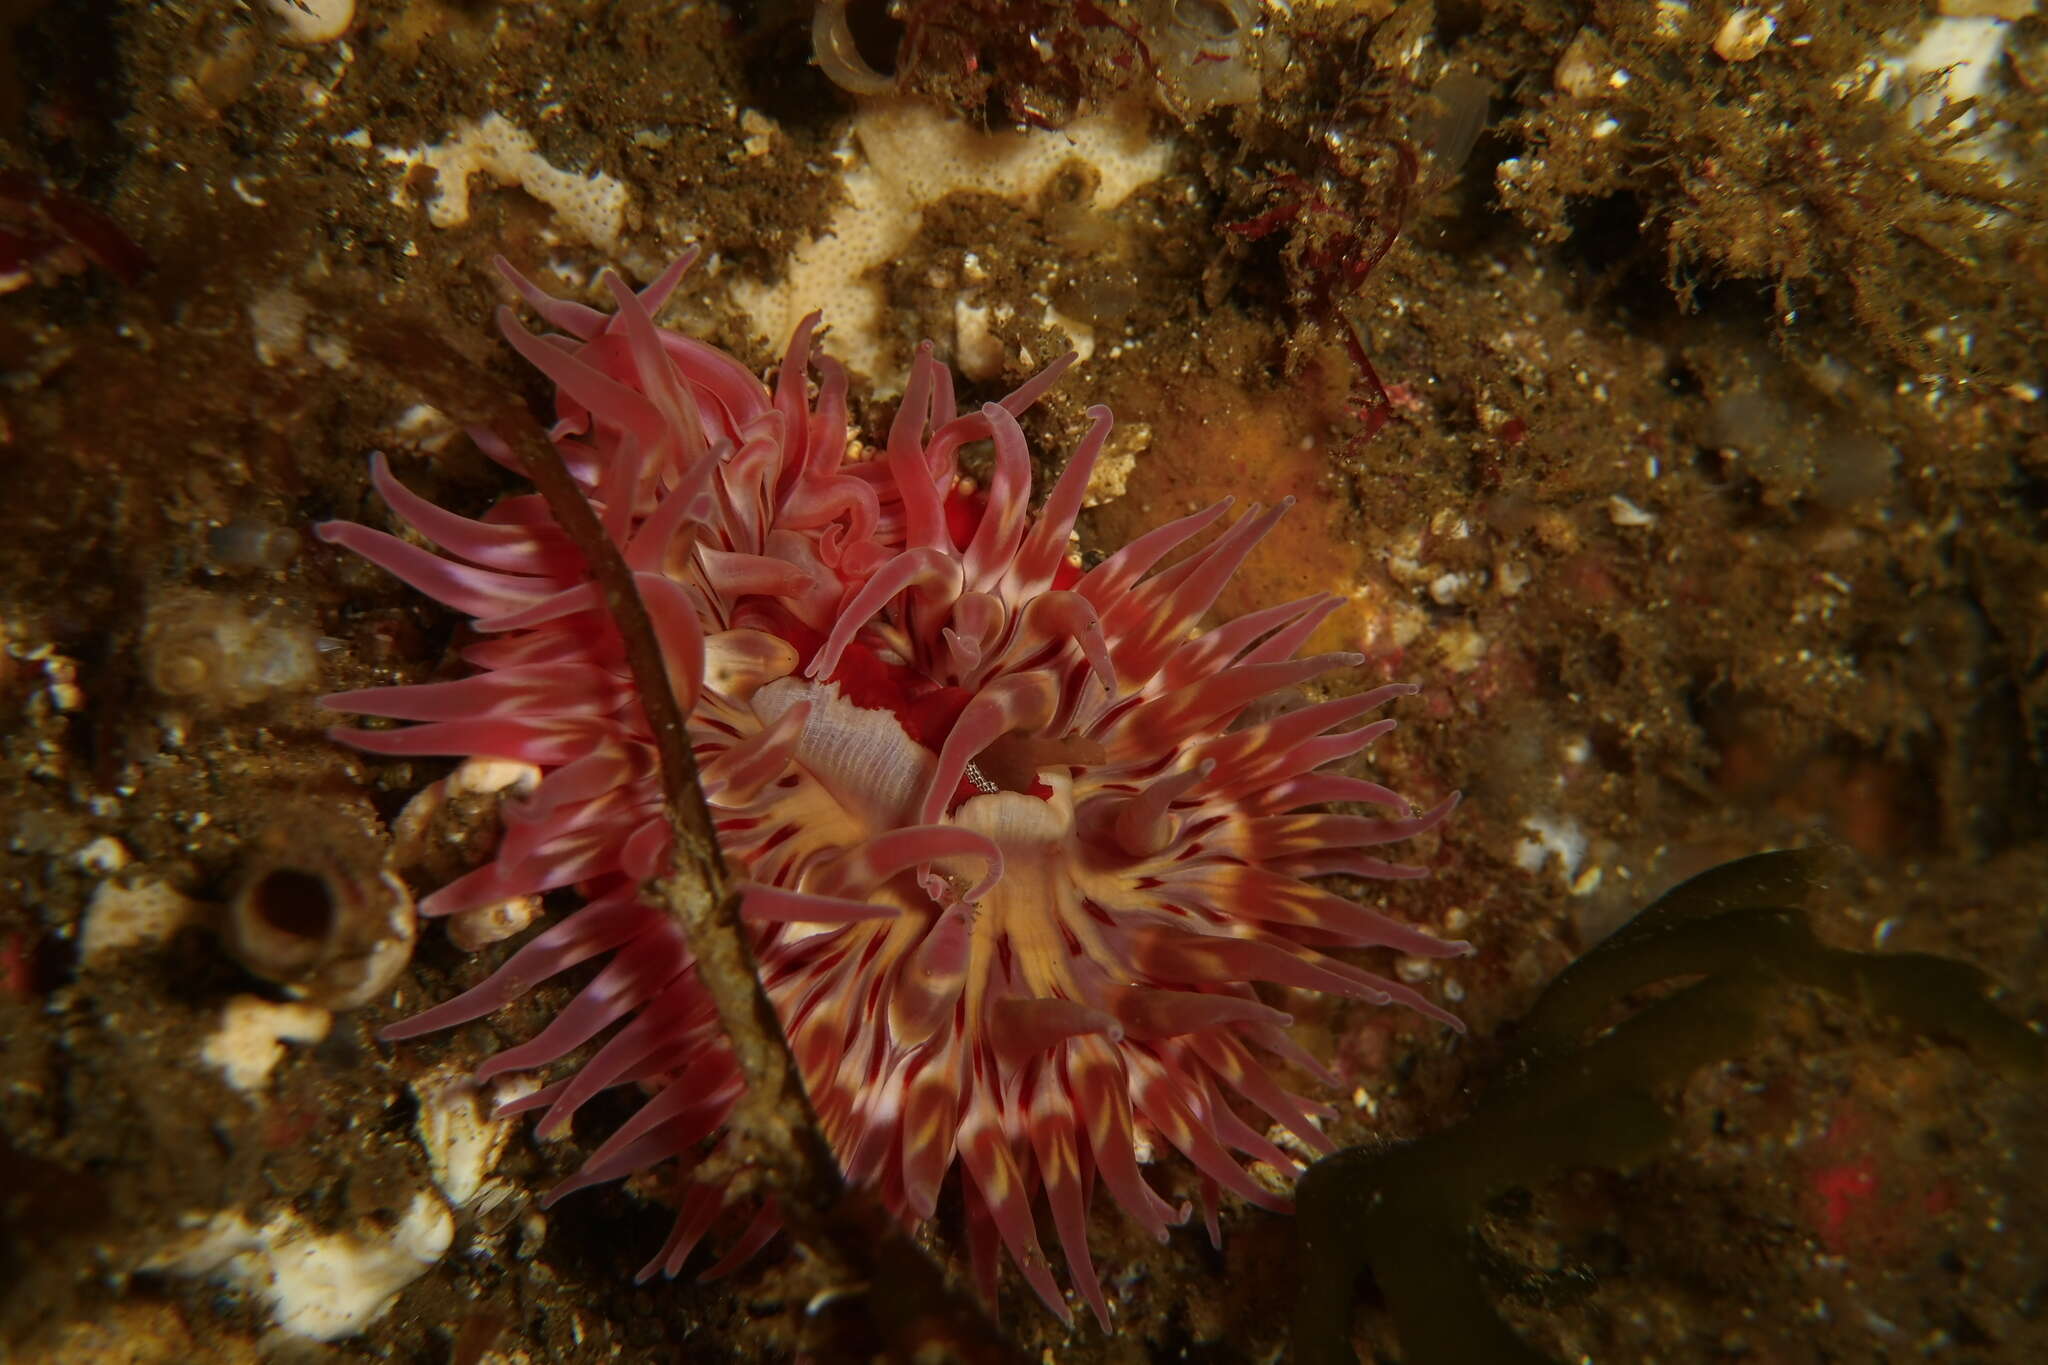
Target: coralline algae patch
895, 162
319, 1286
1215, 436
319, 1278
901, 159
591, 208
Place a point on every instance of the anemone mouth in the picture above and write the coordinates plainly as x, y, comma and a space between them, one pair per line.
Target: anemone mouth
1018, 855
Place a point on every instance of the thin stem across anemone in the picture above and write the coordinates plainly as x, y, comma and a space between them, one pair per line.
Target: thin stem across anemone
774, 1127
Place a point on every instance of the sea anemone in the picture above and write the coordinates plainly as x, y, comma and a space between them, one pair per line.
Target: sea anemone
1018, 841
